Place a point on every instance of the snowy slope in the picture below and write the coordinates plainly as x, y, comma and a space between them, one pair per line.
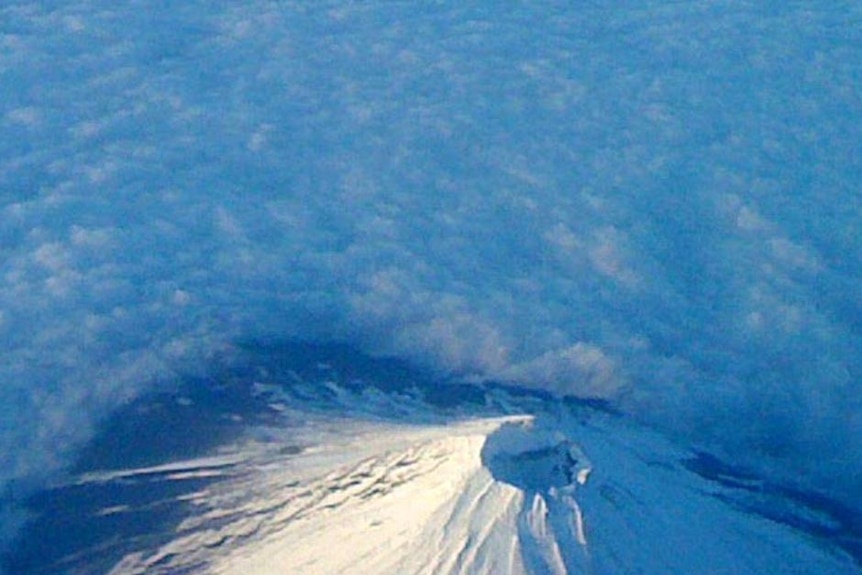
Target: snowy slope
380, 499
329, 478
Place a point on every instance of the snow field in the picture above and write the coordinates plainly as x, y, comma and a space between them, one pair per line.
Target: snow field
416, 500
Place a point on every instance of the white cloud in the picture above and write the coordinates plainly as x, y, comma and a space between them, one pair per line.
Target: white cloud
53, 256
609, 255
793, 255
248, 167
26, 116
90, 238
582, 370
749, 220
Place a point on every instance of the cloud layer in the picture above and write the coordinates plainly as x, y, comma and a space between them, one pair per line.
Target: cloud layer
654, 205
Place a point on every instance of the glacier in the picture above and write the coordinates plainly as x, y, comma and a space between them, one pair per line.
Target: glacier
649, 207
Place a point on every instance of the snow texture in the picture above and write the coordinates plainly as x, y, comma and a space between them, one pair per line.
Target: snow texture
653, 204
420, 501
318, 459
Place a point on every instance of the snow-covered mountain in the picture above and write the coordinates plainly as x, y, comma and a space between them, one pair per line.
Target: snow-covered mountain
650, 206
318, 469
